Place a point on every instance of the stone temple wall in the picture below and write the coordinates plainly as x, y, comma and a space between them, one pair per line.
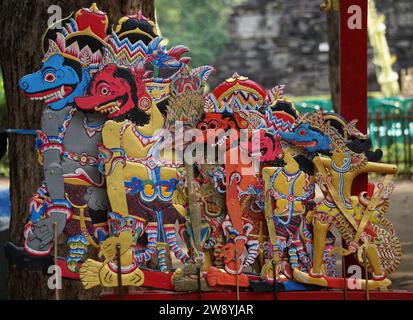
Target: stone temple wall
285, 42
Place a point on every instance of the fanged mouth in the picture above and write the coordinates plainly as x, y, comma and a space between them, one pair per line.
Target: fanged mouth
306, 144
53, 95
112, 106
125, 228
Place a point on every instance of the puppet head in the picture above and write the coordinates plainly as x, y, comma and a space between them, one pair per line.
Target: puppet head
72, 53
310, 132
124, 88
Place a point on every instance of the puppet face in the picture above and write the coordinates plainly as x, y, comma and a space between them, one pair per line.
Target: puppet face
57, 83
309, 138
270, 147
266, 145
111, 92
213, 123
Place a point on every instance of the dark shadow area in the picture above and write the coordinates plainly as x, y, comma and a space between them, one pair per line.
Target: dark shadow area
4, 236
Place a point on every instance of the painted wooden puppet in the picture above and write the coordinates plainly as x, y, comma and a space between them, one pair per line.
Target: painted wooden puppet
359, 219
141, 177
289, 192
232, 106
72, 194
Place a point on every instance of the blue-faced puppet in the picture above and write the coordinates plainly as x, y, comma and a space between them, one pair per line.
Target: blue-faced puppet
72, 199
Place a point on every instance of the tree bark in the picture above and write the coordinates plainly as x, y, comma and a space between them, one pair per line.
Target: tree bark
333, 32
23, 23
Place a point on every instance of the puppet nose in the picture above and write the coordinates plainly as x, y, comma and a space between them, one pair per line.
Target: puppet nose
23, 84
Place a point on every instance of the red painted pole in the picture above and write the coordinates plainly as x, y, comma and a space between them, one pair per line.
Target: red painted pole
353, 75
353, 68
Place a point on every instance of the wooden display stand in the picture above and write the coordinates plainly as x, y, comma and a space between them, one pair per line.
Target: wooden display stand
292, 295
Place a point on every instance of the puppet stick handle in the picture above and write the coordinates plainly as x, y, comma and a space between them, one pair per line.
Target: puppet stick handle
236, 275
366, 272
274, 281
57, 297
198, 273
194, 208
344, 272
119, 271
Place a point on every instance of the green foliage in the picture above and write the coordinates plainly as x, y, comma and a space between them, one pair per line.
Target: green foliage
201, 25
4, 167
1, 91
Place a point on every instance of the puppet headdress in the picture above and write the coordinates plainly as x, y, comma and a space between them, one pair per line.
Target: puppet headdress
79, 37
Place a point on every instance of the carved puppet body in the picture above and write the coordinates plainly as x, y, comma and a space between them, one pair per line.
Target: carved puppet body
336, 174
245, 224
141, 179
245, 194
353, 205
290, 188
72, 195
71, 172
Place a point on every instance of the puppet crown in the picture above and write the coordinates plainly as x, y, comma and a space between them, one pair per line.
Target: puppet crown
81, 38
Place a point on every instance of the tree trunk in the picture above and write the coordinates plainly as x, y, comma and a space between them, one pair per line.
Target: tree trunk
23, 23
333, 32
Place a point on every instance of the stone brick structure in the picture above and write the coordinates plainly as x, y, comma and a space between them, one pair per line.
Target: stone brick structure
284, 41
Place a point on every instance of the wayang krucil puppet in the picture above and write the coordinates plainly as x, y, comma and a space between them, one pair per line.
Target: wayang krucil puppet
141, 177
359, 219
72, 194
239, 215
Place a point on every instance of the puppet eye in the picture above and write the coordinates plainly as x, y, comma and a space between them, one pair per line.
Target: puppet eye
49, 77
202, 126
103, 90
213, 125
302, 132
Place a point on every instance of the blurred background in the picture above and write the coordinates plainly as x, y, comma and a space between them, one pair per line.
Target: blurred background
294, 43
